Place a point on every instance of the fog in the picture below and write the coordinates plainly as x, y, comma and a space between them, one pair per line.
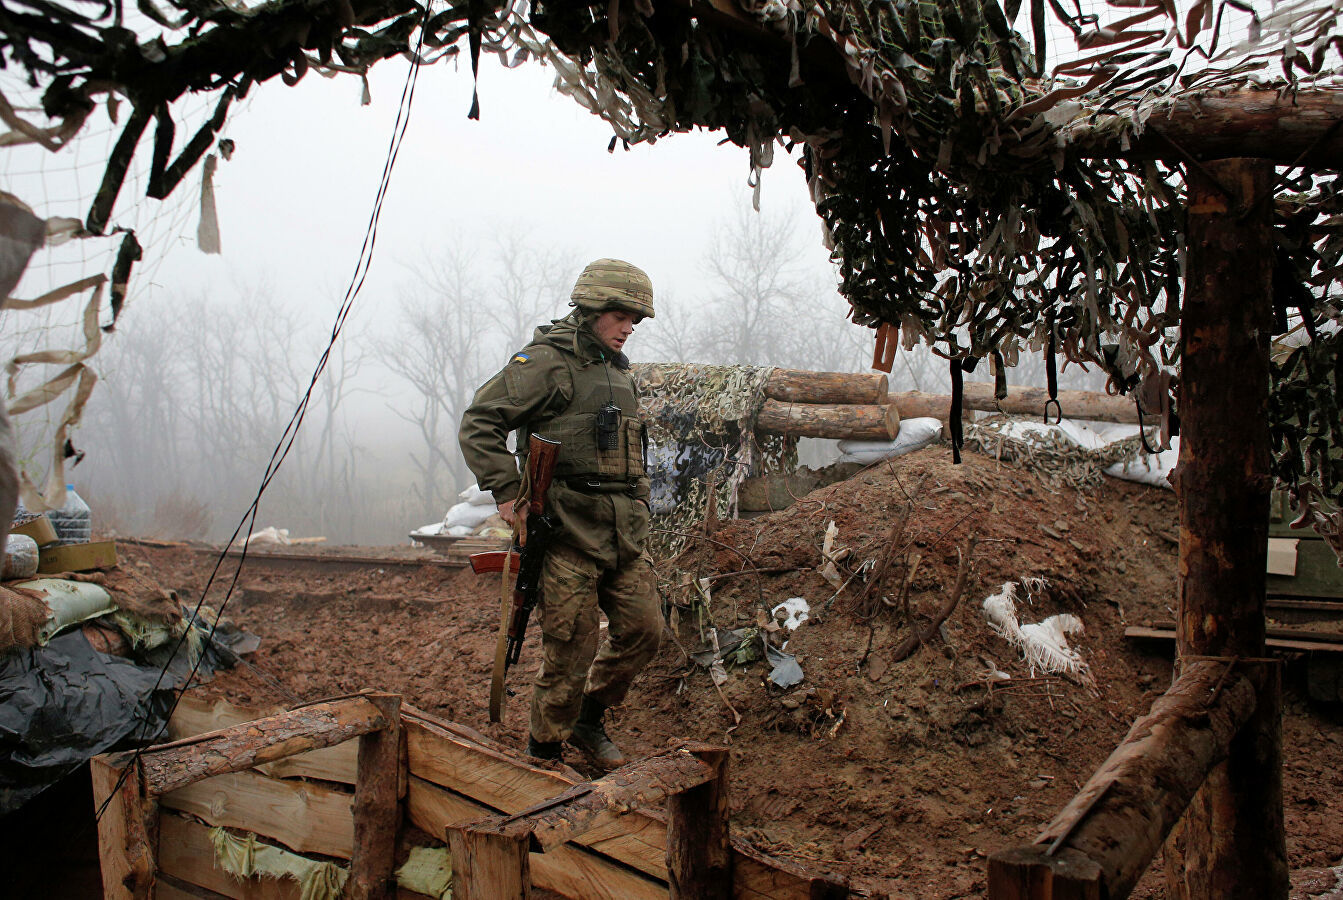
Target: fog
482, 233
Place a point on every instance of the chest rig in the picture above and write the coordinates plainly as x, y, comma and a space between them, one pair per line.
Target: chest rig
602, 440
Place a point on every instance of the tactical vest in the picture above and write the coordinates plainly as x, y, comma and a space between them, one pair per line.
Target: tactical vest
582, 464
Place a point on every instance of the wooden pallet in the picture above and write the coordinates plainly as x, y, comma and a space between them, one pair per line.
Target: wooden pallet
1279, 638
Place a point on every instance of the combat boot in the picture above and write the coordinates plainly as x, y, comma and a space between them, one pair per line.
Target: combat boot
549, 751
589, 736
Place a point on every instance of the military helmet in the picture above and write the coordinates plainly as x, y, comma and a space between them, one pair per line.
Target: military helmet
613, 284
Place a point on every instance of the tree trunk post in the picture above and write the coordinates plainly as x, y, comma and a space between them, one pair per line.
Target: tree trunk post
699, 848
128, 824
378, 789
1232, 838
490, 861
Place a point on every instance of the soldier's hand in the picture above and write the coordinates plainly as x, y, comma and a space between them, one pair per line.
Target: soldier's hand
511, 512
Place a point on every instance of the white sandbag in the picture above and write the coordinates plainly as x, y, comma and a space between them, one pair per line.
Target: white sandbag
459, 531
915, 434
20, 557
476, 497
429, 530
469, 514
1151, 469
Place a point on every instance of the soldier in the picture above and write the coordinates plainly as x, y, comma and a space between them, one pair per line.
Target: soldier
572, 384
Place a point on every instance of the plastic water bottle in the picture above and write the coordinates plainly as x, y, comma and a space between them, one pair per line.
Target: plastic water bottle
73, 521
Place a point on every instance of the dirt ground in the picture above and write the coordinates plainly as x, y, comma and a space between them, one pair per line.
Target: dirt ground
905, 774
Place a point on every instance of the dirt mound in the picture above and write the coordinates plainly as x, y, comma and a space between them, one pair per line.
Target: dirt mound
905, 774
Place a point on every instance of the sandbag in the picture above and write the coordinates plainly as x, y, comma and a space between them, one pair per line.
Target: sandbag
20, 557
476, 497
915, 434
1149, 468
469, 514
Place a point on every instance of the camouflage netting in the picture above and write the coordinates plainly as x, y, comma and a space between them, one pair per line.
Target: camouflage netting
976, 197
703, 443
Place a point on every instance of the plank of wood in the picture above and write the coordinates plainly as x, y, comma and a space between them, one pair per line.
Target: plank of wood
377, 810
841, 388
305, 817
195, 715
873, 422
185, 852
569, 870
188, 856
1275, 643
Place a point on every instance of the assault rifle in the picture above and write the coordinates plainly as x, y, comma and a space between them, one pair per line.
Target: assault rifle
533, 537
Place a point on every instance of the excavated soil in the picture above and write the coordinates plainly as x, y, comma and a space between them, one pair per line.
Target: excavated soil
904, 774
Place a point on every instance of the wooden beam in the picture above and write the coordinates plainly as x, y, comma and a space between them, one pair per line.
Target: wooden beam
1020, 401
127, 827
490, 860
642, 784
838, 388
699, 849
377, 806
1233, 838
245, 746
859, 423
1288, 129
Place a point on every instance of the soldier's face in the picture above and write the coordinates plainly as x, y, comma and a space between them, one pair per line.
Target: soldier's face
614, 327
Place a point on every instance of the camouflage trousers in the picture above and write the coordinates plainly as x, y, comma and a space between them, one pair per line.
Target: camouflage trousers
574, 592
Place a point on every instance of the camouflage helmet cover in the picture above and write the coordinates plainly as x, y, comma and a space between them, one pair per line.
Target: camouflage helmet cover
614, 284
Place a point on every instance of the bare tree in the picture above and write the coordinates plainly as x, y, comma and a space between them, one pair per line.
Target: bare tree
440, 350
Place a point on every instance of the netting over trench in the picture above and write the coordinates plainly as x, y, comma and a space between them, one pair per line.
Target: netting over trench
703, 443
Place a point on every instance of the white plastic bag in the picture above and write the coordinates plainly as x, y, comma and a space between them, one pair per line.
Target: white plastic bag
915, 434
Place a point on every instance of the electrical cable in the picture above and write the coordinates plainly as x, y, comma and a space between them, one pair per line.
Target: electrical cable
286, 440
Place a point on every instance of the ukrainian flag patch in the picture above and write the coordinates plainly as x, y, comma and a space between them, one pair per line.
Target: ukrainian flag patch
520, 358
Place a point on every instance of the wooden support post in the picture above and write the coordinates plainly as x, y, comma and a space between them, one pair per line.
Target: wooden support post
490, 860
378, 789
699, 848
168, 767
1031, 873
127, 827
1232, 839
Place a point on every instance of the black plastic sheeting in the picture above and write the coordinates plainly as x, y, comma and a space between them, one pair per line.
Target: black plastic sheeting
64, 703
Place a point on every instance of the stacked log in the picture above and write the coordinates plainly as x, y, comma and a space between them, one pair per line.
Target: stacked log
835, 405
1020, 401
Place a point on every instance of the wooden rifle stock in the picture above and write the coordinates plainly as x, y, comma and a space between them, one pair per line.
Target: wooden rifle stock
526, 559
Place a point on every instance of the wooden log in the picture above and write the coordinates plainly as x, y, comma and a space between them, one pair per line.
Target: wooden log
642, 784
1234, 840
377, 807
836, 388
1120, 817
127, 827
172, 766
699, 850
858, 423
1020, 401
490, 860
194, 716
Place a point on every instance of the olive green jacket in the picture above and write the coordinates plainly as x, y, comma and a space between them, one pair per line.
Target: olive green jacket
553, 387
